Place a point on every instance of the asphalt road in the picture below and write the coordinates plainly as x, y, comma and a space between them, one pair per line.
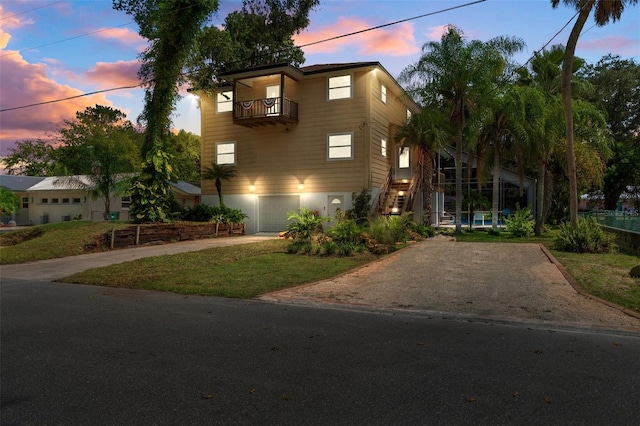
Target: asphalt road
83, 355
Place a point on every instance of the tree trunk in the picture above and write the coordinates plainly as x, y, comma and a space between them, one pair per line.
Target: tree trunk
542, 169
459, 182
495, 194
567, 71
427, 187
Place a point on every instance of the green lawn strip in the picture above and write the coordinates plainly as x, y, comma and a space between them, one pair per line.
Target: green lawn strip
605, 276
242, 271
52, 240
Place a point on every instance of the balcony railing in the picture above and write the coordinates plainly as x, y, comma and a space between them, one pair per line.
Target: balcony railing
268, 111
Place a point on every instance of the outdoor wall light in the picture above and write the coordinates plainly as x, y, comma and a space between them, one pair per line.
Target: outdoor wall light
252, 188
300, 186
405, 180
394, 210
401, 193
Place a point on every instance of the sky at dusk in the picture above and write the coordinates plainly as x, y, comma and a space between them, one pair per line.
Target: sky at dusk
52, 50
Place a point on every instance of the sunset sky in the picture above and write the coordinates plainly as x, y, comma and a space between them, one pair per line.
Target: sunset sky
52, 50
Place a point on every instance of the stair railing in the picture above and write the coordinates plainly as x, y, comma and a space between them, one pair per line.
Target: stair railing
378, 202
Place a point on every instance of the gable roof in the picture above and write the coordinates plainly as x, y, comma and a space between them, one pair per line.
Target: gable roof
18, 183
185, 187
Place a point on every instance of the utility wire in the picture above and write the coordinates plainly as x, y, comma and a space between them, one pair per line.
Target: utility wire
66, 39
304, 45
31, 10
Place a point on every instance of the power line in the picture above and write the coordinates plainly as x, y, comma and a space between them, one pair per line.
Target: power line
304, 45
66, 39
31, 10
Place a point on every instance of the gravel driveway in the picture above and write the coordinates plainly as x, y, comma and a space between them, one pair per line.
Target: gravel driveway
515, 282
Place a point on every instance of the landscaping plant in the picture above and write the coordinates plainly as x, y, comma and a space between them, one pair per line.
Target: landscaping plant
586, 237
521, 224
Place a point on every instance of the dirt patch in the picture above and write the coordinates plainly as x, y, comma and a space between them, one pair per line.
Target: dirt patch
508, 281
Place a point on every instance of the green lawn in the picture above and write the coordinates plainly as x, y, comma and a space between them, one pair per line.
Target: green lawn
252, 269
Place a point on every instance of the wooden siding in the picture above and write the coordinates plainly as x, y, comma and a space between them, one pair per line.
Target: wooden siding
276, 159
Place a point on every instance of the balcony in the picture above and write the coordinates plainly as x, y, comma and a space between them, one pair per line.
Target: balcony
265, 112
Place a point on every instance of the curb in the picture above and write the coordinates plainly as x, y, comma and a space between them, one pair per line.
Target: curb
578, 288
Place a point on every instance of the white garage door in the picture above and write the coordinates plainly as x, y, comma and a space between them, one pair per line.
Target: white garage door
273, 211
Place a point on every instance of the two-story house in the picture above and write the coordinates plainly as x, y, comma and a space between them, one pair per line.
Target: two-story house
308, 137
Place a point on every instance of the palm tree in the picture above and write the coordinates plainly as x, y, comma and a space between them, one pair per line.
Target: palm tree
454, 74
605, 10
429, 131
218, 172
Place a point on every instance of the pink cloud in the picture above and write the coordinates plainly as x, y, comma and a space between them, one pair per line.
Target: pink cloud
25, 84
124, 36
114, 74
611, 44
398, 40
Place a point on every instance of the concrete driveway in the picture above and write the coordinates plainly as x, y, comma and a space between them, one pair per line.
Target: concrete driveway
513, 282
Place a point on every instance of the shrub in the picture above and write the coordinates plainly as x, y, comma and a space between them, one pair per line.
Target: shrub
494, 232
361, 206
305, 224
199, 213
329, 247
345, 231
586, 237
346, 249
635, 272
521, 224
422, 229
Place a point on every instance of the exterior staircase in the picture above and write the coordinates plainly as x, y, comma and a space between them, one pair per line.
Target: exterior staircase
397, 197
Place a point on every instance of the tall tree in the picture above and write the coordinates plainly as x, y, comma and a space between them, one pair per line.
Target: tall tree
171, 26
185, 149
259, 34
429, 131
605, 11
30, 158
101, 145
616, 90
456, 74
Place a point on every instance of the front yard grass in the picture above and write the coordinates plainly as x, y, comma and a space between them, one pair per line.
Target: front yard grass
241, 271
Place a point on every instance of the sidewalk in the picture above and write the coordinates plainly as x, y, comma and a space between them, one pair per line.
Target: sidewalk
52, 269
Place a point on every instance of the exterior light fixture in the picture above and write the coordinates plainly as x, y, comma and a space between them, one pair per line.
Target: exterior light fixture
405, 180
394, 210
300, 186
252, 188
401, 193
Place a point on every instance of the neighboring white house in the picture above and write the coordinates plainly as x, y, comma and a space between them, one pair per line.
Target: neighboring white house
44, 200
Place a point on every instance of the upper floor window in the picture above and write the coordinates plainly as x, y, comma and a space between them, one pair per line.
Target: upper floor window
125, 202
226, 153
339, 87
65, 201
25, 202
340, 146
383, 147
54, 201
408, 115
383, 93
224, 101
76, 201
44, 200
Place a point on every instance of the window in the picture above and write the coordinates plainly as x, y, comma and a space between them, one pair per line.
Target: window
125, 203
226, 153
54, 201
340, 146
339, 87
65, 201
408, 115
76, 201
25, 202
403, 158
383, 147
44, 201
224, 101
383, 93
